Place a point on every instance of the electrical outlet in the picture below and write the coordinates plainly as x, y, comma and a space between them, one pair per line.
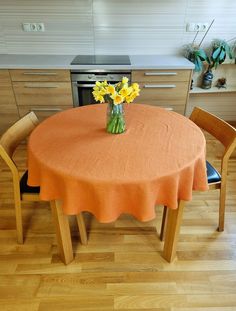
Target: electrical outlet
34, 27
40, 27
194, 27
205, 26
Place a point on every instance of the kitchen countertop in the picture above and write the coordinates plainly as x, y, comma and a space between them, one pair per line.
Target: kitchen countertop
20, 61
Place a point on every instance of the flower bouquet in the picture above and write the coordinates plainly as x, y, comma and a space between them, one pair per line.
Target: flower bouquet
115, 95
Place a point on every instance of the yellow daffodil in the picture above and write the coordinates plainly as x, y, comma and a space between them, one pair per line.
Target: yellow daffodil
124, 92
118, 93
103, 91
111, 90
96, 88
98, 97
101, 99
98, 83
135, 86
118, 99
128, 99
125, 80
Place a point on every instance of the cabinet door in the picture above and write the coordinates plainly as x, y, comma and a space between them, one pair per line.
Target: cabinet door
164, 88
40, 75
160, 75
169, 95
42, 112
43, 94
8, 109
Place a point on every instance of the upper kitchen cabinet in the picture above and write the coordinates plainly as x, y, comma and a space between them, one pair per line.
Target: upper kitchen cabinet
43, 91
8, 108
164, 88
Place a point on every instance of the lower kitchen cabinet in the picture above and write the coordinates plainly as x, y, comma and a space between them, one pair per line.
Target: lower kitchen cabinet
8, 108
41, 112
45, 92
164, 88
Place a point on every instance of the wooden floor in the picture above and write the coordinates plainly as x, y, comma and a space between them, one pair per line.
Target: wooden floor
121, 268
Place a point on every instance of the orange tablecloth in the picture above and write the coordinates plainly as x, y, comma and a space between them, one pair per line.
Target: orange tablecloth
160, 159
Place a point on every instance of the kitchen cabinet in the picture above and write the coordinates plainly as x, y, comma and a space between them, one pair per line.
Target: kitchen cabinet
165, 88
8, 108
43, 91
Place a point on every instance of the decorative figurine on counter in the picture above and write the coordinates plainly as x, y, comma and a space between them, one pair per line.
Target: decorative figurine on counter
207, 79
221, 83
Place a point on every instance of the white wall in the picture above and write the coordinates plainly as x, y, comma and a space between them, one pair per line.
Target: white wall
111, 26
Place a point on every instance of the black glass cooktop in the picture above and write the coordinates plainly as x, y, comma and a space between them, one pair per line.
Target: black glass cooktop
101, 60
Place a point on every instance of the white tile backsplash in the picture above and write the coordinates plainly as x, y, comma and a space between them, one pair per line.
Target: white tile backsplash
111, 26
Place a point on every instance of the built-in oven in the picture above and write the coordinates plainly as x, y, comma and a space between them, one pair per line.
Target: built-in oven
83, 82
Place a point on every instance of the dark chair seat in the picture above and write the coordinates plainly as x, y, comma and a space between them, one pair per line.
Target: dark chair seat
212, 174
24, 188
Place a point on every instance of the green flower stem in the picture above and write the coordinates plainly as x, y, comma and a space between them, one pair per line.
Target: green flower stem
116, 124
115, 120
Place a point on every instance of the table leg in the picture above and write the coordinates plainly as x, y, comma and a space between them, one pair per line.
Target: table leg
163, 223
82, 229
62, 232
174, 218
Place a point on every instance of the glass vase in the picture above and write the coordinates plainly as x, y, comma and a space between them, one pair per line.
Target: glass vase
207, 79
115, 118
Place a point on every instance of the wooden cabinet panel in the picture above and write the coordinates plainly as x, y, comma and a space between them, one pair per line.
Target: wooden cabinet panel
164, 88
222, 105
220, 102
8, 108
35, 75
160, 75
42, 112
45, 93
4, 76
169, 91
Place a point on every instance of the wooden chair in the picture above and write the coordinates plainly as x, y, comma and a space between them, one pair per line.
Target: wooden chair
22, 192
226, 134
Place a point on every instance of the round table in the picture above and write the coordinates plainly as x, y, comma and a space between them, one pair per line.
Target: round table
160, 159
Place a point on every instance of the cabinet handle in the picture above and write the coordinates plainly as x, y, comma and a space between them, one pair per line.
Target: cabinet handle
45, 109
160, 73
40, 73
86, 86
30, 86
159, 86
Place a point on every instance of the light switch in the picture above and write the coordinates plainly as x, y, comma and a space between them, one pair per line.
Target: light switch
26, 26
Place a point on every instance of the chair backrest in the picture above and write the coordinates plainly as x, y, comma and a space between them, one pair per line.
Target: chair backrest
18, 132
13, 136
218, 128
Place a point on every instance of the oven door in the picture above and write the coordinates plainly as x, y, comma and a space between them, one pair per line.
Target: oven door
82, 93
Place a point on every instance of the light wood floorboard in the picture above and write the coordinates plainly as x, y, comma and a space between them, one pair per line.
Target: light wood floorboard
121, 267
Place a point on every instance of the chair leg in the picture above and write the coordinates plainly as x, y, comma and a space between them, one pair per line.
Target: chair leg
172, 231
19, 225
62, 232
222, 208
163, 223
82, 229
